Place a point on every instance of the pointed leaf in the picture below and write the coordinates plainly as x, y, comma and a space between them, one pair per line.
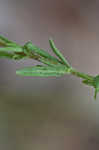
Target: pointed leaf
5, 40
58, 53
34, 49
96, 91
42, 71
11, 49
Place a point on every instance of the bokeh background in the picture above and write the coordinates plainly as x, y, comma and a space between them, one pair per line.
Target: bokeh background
50, 113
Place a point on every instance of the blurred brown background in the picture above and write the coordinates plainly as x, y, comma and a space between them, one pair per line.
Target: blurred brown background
50, 113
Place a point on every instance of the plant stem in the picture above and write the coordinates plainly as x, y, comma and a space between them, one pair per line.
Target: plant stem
81, 75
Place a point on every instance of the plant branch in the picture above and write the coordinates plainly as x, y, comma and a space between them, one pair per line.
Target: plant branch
52, 65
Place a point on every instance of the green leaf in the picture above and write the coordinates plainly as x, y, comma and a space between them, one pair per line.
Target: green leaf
96, 85
88, 82
58, 53
11, 49
11, 56
18, 57
42, 71
96, 81
96, 91
6, 55
49, 62
6, 41
30, 48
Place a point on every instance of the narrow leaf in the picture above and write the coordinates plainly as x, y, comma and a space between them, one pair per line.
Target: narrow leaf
95, 94
11, 55
10, 49
6, 55
32, 48
58, 53
42, 71
96, 81
5, 40
88, 82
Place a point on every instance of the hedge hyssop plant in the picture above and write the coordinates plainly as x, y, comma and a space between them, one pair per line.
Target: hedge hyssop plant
52, 66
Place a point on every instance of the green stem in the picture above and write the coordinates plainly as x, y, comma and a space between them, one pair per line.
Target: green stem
81, 75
